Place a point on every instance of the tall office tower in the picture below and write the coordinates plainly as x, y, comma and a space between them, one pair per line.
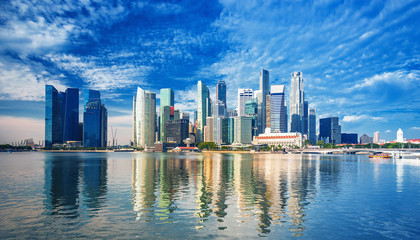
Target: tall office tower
177, 131
61, 115
268, 111
53, 116
220, 130
330, 130
219, 109
167, 99
277, 109
209, 130
243, 132
312, 126
305, 117
376, 137
251, 110
195, 116
134, 121
145, 118
184, 115
221, 91
265, 90
231, 130
95, 120
90, 96
243, 96
203, 102
71, 115
296, 104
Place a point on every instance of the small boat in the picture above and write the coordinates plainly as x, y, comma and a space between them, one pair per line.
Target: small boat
379, 155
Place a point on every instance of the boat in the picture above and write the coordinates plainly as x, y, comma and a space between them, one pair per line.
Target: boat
379, 155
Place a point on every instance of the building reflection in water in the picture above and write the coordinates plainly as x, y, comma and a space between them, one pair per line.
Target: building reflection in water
262, 190
67, 178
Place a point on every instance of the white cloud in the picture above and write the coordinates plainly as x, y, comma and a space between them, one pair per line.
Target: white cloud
401, 77
415, 128
354, 118
98, 76
388, 131
21, 82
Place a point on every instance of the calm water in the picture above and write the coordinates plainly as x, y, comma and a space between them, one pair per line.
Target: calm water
235, 196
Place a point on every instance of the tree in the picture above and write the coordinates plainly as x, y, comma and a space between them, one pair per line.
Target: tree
320, 143
207, 146
307, 142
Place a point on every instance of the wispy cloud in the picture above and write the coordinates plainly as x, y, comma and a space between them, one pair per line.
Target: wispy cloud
415, 128
355, 118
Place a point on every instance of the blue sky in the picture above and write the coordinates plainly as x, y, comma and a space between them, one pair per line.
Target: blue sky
360, 59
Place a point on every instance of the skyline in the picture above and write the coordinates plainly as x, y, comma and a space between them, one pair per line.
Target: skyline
360, 60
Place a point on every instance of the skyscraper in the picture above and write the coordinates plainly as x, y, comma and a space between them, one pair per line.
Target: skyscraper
243, 96
312, 126
53, 116
145, 118
277, 109
61, 115
265, 90
305, 118
221, 91
95, 120
296, 104
330, 130
243, 129
203, 103
167, 100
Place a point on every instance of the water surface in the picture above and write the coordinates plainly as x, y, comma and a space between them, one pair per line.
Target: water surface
235, 196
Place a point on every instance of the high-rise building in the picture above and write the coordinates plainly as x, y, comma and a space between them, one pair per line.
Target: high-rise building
167, 100
231, 130
305, 118
312, 126
243, 132
203, 103
376, 137
265, 90
221, 91
296, 106
220, 130
184, 115
177, 131
277, 109
95, 120
330, 130
209, 130
61, 115
268, 111
243, 96
145, 118
251, 110
53, 116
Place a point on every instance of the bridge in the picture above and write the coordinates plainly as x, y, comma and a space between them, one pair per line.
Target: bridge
395, 152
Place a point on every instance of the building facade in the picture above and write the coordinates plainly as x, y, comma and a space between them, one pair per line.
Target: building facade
243, 130
376, 138
144, 118
330, 130
265, 90
203, 103
312, 126
277, 109
349, 138
296, 106
221, 92
365, 139
279, 139
167, 100
177, 131
95, 120
61, 116
243, 96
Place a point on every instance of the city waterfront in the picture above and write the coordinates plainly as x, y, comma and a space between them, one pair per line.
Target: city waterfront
207, 195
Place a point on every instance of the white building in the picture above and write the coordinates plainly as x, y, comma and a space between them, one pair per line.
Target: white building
243, 96
144, 118
276, 139
400, 136
376, 138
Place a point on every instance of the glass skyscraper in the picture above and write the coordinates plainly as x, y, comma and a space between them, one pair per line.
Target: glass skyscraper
167, 100
144, 111
221, 91
203, 105
312, 126
265, 90
95, 120
277, 109
330, 130
61, 115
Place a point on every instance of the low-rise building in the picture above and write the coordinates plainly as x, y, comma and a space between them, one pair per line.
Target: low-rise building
283, 139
